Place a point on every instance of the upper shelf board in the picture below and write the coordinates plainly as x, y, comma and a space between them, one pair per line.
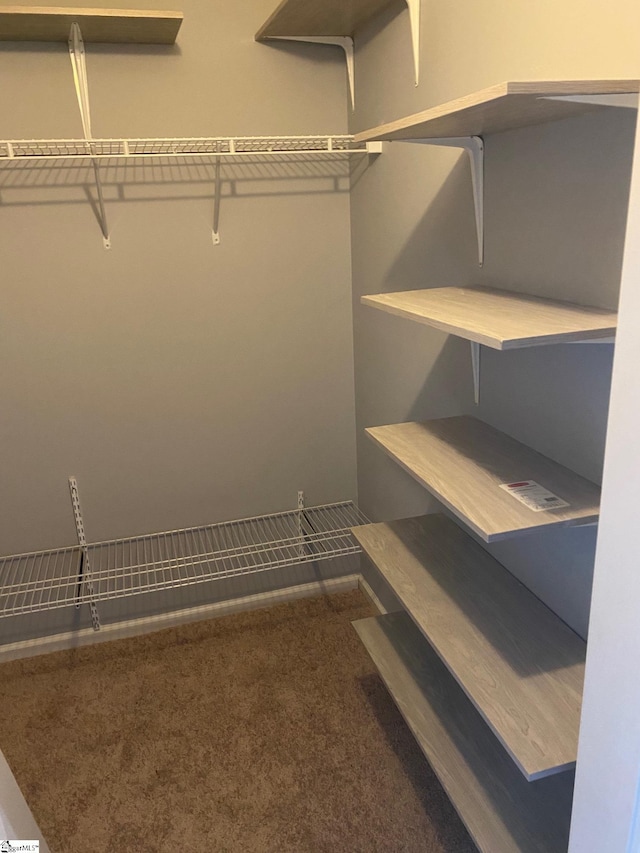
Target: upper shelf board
310, 18
466, 463
505, 106
498, 318
53, 23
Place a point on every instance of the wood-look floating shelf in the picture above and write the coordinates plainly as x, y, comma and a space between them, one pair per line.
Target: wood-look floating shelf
329, 18
504, 107
498, 318
334, 22
519, 664
463, 123
464, 461
502, 811
53, 23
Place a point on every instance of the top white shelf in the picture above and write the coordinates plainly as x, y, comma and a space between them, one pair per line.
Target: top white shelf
310, 18
505, 107
53, 23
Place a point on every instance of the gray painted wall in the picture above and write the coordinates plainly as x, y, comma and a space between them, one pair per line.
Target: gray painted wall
555, 210
180, 383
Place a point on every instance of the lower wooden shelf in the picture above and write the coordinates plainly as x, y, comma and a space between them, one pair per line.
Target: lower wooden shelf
518, 663
502, 811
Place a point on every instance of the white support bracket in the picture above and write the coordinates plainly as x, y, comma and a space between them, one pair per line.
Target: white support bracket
475, 366
475, 363
345, 42
414, 20
216, 203
85, 579
474, 146
79, 66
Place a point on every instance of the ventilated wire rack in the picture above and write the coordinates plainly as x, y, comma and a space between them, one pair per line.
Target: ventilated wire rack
97, 149
126, 567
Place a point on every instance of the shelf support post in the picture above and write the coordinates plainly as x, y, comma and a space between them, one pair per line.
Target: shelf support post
299, 518
86, 577
474, 146
475, 366
414, 20
345, 42
79, 66
216, 200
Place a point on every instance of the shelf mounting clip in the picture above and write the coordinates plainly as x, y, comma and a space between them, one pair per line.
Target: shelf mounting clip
474, 146
79, 66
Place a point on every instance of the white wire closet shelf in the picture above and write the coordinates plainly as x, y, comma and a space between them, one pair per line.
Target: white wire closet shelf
125, 567
104, 149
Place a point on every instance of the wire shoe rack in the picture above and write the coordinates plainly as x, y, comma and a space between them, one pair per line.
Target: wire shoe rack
100, 571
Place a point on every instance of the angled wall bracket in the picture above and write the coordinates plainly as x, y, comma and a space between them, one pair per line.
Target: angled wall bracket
414, 19
345, 42
475, 366
474, 146
78, 64
475, 363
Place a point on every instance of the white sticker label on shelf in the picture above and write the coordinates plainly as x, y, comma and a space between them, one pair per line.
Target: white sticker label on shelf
533, 495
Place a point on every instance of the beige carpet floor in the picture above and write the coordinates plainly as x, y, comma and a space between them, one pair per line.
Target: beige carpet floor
257, 732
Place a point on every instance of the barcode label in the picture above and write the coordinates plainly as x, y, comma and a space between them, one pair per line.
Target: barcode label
533, 495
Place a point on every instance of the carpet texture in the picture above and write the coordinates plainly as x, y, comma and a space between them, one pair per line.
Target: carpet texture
252, 733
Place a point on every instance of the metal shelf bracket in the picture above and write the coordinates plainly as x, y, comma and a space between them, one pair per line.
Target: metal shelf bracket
474, 146
79, 66
414, 20
85, 578
345, 42
475, 366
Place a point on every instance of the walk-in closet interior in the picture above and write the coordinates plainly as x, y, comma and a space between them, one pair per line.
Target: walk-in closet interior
318, 400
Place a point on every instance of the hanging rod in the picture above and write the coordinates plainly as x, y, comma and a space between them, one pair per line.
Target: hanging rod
240, 146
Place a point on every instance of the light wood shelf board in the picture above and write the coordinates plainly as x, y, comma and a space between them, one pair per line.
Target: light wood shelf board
52, 23
498, 318
464, 461
505, 106
519, 664
502, 811
329, 18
